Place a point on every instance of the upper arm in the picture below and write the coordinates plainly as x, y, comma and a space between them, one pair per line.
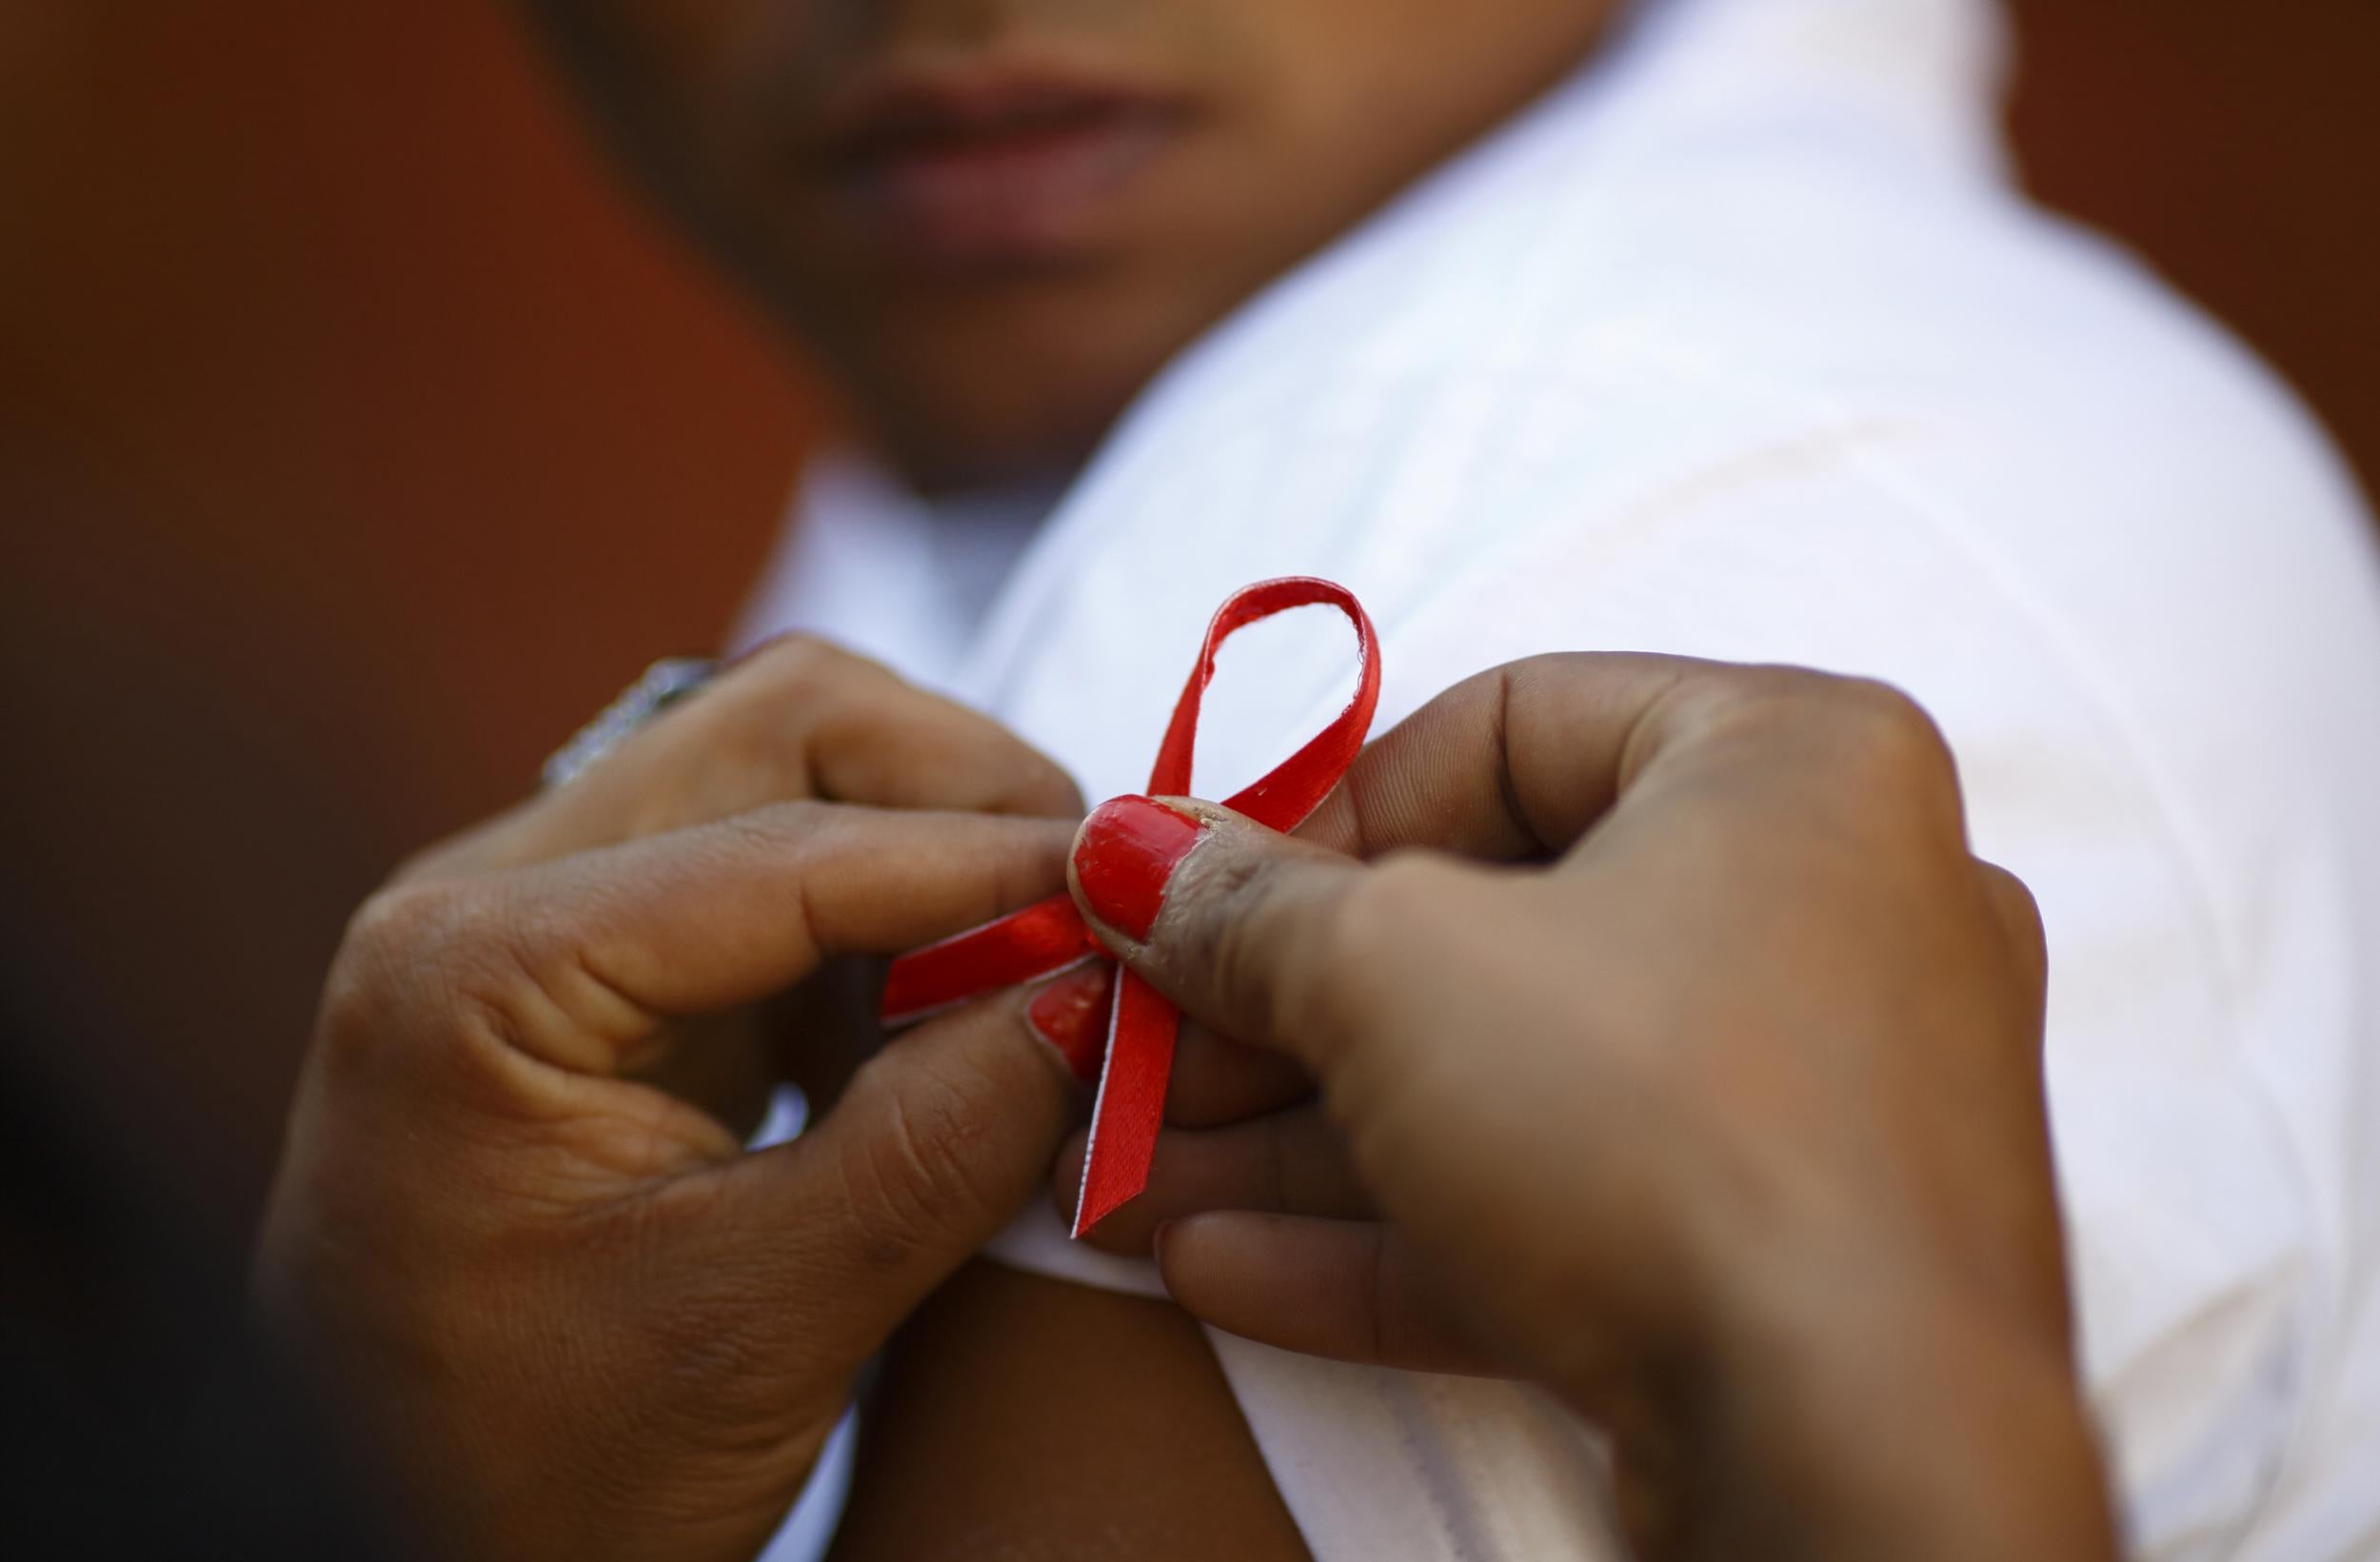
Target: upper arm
1023, 1416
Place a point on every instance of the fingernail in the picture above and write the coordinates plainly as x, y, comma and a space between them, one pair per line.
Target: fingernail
1125, 855
1071, 1015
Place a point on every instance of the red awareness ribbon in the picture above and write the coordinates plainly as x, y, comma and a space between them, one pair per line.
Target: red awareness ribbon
1047, 938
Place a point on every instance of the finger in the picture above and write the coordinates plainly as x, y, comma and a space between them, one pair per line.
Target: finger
1349, 1291
1071, 1011
1514, 762
578, 961
1288, 1163
1258, 934
796, 712
1521, 761
1217, 1080
935, 1145
1234, 922
2019, 917
797, 718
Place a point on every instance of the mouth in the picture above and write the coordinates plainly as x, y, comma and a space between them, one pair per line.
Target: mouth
975, 167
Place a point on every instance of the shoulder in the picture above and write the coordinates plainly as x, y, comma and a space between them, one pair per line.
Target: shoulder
1725, 349
1911, 431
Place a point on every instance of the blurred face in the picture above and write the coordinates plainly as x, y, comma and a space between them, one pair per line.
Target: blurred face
994, 220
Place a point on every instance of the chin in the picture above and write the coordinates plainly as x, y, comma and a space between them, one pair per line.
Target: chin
990, 447
979, 427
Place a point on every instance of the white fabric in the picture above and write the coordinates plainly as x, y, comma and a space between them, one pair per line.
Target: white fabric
1742, 346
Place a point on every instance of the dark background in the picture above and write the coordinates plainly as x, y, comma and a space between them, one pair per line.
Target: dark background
360, 439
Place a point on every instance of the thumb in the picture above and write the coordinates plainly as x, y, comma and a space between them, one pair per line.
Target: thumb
935, 1145
1258, 934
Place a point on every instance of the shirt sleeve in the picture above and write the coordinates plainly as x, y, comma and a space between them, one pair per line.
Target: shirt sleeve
2202, 1266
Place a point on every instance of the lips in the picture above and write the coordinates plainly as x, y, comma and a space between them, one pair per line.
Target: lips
991, 167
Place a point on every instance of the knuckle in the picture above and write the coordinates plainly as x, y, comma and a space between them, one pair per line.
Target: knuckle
1887, 721
2019, 912
1882, 728
428, 980
802, 666
2017, 899
406, 917
1897, 761
437, 859
392, 938
750, 739
1876, 739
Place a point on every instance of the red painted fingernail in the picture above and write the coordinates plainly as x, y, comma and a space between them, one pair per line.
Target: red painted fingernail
1071, 1015
1125, 855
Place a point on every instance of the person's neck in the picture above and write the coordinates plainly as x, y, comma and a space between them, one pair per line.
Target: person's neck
959, 481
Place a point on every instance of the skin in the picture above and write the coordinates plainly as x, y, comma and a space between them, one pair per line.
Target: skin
1674, 1052
1745, 1154
1070, 1424
798, 725
517, 1227
541, 1139
1297, 118
798, 719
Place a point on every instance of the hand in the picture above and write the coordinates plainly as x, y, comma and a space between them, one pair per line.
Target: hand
587, 1323
795, 718
1722, 1116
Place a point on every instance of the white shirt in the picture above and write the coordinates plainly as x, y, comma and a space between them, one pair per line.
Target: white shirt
1742, 345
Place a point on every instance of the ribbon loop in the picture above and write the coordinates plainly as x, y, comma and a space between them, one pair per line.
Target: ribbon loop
1050, 936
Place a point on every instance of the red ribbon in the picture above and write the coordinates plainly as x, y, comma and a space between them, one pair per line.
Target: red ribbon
1046, 938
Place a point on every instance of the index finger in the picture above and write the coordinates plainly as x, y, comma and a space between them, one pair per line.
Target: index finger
1514, 763
586, 958
1521, 761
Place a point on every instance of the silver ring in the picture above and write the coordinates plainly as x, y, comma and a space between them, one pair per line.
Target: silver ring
663, 684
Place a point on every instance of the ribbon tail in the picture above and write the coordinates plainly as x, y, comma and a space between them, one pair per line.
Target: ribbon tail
1131, 1106
1041, 940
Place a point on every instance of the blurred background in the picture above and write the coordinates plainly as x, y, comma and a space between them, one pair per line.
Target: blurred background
361, 438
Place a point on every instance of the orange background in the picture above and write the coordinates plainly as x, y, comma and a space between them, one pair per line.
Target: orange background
361, 439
